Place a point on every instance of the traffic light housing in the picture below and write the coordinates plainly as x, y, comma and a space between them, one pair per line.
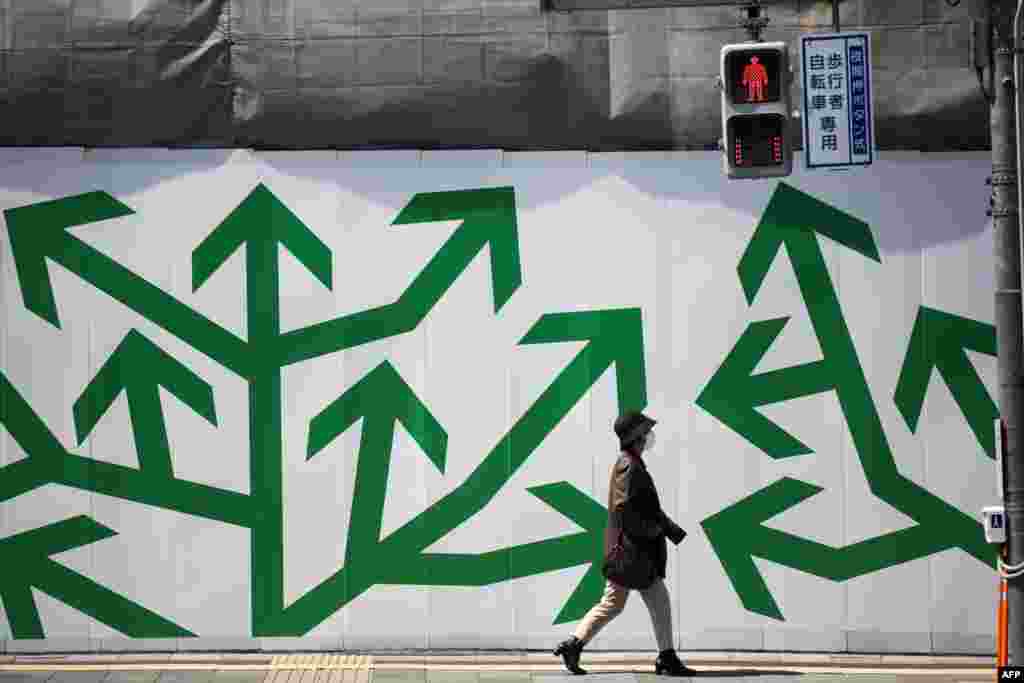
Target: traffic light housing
756, 128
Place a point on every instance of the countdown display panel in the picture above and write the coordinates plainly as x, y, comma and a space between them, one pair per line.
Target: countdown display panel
756, 140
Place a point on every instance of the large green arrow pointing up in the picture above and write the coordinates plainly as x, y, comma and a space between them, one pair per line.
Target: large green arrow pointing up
790, 217
488, 218
614, 337
39, 232
938, 341
738, 535
26, 561
380, 399
733, 393
261, 223
139, 367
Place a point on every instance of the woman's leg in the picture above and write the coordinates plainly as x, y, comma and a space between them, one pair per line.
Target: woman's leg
609, 607
657, 600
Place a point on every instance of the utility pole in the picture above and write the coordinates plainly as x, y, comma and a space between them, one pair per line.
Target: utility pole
1006, 232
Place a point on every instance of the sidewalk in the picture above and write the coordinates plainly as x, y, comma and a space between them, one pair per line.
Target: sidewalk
478, 667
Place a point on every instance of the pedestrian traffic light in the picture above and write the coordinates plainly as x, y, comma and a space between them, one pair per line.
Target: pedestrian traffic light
755, 83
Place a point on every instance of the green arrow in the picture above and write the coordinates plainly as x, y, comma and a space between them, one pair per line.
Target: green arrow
139, 367
738, 535
380, 399
529, 559
39, 232
733, 393
261, 223
938, 341
488, 218
791, 218
588, 514
48, 462
614, 337
27, 564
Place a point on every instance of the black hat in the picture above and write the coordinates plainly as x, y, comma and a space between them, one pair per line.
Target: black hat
631, 426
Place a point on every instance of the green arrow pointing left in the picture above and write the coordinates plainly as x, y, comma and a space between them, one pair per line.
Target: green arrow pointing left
734, 392
738, 534
139, 367
26, 562
40, 231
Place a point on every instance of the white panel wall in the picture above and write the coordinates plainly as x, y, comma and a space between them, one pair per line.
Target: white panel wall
662, 232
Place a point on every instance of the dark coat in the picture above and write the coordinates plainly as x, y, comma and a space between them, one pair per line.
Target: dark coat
633, 506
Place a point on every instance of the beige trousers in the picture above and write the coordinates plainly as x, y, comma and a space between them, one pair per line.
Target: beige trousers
614, 601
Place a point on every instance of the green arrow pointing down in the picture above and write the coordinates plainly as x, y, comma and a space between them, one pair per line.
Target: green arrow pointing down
39, 232
614, 337
938, 341
488, 218
139, 367
738, 535
26, 561
733, 393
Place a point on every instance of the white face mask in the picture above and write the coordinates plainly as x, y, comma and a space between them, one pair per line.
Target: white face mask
649, 443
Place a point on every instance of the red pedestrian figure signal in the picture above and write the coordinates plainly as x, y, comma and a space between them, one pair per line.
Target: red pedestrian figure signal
755, 80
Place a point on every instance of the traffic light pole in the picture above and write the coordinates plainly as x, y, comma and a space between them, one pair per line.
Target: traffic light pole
1006, 233
754, 23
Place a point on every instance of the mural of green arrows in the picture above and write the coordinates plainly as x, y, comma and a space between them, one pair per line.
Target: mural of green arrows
794, 219
381, 399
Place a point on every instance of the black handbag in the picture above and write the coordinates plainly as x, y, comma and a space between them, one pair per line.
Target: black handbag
626, 565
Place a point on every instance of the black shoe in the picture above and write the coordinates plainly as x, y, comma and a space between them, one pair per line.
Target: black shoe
668, 663
570, 650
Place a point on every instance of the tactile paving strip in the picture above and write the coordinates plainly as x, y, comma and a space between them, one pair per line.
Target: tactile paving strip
307, 662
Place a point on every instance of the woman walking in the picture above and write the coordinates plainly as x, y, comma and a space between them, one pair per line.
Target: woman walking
635, 550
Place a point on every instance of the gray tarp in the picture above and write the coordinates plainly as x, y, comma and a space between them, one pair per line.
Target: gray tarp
441, 73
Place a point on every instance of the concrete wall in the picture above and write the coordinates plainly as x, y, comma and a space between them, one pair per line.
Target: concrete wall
395, 430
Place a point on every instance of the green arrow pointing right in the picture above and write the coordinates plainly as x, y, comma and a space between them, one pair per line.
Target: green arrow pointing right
488, 218
938, 341
614, 337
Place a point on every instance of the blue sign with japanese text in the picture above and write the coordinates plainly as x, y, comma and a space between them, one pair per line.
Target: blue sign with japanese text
838, 121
